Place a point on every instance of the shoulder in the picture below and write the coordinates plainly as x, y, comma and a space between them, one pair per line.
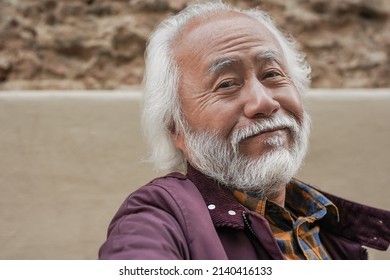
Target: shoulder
164, 219
156, 221
169, 190
170, 193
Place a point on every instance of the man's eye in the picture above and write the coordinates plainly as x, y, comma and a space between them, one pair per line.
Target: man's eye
226, 84
271, 74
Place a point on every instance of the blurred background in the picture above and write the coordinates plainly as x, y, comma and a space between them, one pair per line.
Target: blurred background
71, 148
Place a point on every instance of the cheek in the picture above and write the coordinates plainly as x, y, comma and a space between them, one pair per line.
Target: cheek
291, 101
223, 117
218, 116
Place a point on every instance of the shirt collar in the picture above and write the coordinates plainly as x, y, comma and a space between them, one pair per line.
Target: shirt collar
301, 199
308, 202
251, 200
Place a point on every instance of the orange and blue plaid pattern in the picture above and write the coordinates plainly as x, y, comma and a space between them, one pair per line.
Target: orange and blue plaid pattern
295, 226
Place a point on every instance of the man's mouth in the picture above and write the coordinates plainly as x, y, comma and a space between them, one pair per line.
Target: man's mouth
266, 131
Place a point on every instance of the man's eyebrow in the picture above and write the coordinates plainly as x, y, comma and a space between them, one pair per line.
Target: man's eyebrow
269, 55
221, 63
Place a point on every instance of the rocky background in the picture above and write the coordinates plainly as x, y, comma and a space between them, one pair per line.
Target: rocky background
97, 44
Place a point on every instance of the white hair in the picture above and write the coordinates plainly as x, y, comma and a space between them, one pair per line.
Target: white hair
221, 160
161, 110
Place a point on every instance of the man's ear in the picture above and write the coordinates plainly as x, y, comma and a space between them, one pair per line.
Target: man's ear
177, 137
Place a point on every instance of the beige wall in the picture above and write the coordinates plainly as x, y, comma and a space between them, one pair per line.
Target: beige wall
68, 159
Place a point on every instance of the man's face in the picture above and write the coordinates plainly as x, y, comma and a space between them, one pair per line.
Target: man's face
233, 75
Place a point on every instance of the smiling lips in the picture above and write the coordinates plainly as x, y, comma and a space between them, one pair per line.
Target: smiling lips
277, 130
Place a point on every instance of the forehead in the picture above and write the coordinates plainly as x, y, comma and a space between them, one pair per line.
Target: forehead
221, 34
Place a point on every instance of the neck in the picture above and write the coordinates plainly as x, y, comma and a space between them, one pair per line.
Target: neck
279, 197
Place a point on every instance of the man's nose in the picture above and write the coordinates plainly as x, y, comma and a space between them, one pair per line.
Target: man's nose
260, 101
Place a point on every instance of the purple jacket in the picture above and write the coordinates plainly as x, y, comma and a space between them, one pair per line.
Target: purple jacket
191, 217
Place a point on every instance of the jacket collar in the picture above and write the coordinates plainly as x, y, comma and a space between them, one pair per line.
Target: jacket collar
225, 211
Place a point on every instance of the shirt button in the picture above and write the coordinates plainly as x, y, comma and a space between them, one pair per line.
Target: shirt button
211, 206
231, 212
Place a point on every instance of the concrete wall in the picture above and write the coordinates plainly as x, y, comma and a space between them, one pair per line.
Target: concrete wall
69, 159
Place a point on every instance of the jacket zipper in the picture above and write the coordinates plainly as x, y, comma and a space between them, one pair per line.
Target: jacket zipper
248, 225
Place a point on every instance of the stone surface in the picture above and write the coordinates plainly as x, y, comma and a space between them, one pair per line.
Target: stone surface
96, 44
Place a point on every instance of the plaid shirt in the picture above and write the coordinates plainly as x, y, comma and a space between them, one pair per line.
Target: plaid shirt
294, 226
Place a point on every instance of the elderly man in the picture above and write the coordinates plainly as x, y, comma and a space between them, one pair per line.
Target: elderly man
223, 100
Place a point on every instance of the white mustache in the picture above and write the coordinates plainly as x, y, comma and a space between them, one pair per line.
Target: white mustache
265, 125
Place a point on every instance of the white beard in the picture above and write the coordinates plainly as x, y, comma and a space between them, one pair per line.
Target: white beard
221, 160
